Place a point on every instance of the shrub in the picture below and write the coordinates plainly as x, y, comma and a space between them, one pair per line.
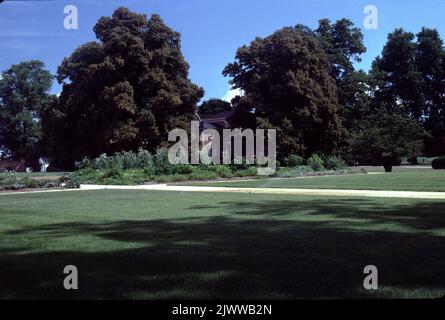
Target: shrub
102, 162
203, 175
86, 164
315, 163
13, 182
439, 163
294, 161
146, 161
171, 178
248, 172
162, 165
182, 169
73, 182
223, 171
113, 173
241, 166
335, 163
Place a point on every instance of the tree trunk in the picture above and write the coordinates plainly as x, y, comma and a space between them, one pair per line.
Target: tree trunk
387, 164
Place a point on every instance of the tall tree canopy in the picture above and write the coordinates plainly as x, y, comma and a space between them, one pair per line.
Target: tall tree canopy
24, 92
287, 85
410, 75
343, 43
127, 90
214, 106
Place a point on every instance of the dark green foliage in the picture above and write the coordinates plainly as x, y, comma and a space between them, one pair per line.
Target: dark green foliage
127, 90
439, 163
293, 160
224, 171
316, 163
14, 182
334, 163
121, 161
127, 168
387, 137
24, 94
410, 76
287, 85
343, 45
214, 106
162, 164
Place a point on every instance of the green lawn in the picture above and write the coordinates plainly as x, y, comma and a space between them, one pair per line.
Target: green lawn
37, 174
414, 180
161, 245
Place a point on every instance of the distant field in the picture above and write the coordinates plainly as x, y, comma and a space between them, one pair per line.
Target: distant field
404, 180
173, 245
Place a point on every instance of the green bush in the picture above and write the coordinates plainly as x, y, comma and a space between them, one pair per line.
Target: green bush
335, 163
13, 182
248, 172
171, 178
86, 164
316, 163
121, 161
146, 161
223, 171
103, 162
239, 166
162, 165
438, 163
72, 182
293, 161
182, 169
203, 175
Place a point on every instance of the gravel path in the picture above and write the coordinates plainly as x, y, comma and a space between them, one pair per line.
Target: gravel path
309, 192
314, 192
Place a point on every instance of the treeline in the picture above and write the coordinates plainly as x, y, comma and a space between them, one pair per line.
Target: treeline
126, 90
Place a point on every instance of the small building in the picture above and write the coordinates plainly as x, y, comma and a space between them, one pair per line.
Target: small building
218, 121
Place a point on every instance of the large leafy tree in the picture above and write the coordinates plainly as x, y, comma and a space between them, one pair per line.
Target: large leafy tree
343, 44
214, 106
430, 60
395, 77
385, 137
410, 75
24, 93
125, 91
287, 85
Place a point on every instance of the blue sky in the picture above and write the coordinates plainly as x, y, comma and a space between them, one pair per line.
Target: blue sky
211, 30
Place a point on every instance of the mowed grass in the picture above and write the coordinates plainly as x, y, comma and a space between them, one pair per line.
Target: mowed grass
169, 245
410, 180
36, 174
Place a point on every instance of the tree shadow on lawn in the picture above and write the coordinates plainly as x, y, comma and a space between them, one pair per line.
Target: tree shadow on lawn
423, 216
254, 256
